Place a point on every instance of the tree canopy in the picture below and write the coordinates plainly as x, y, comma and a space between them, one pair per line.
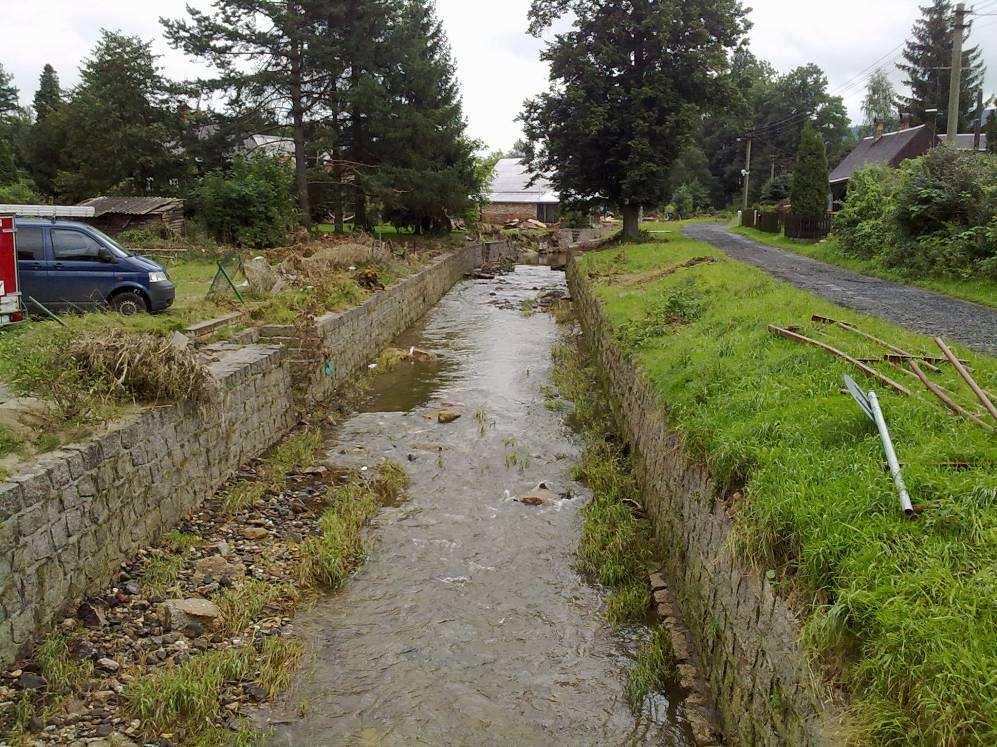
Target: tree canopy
628, 83
880, 103
809, 188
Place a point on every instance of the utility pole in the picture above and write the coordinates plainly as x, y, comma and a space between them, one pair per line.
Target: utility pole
747, 171
955, 76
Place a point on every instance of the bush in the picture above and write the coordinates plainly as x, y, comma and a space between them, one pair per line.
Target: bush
935, 215
252, 205
864, 224
20, 192
691, 198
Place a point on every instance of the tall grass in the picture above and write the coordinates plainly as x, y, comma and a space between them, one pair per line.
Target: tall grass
902, 611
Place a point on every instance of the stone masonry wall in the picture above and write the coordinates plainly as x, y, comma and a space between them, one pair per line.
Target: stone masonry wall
75, 514
745, 635
336, 346
72, 516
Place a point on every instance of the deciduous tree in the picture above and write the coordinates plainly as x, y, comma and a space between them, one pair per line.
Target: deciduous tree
627, 85
880, 102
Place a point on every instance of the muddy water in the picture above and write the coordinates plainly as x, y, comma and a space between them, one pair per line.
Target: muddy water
468, 625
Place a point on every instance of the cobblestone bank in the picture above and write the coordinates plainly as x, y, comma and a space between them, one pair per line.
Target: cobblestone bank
746, 637
74, 515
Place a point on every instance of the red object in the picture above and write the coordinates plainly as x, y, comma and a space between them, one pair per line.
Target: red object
10, 302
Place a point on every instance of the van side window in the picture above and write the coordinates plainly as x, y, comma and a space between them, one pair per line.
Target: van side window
29, 243
74, 246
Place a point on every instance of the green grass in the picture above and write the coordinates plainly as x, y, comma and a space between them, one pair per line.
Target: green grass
328, 559
186, 699
978, 290
293, 454
904, 612
654, 666
244, 602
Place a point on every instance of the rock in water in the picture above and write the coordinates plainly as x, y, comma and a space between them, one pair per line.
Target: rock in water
448, 416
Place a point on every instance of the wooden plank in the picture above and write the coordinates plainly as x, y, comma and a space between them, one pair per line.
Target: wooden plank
977, 390
946, 400
872, 338
900, 388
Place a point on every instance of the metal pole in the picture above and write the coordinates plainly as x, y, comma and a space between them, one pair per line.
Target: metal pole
955, 76
747, 173
891, 455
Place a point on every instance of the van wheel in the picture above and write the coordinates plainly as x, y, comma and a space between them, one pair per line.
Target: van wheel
129, 303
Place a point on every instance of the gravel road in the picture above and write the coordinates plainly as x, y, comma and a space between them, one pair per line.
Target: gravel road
914, 308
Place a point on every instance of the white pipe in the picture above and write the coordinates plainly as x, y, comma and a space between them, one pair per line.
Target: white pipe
891, 455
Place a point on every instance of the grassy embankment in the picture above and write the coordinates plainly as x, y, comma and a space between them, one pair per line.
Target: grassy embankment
978, 290
903, 613
34, 360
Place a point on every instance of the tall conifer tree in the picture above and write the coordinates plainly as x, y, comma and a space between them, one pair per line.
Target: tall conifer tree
927, 64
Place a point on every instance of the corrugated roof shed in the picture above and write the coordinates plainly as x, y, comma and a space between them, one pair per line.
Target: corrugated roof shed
890, 148
965, 141
133, 205
510, 183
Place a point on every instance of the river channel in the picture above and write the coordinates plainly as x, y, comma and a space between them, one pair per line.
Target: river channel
469, 625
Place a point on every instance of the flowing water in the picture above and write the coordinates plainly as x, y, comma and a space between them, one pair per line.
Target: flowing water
469, 625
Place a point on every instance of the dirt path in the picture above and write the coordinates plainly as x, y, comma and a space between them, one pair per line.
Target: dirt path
469, 624
914, 308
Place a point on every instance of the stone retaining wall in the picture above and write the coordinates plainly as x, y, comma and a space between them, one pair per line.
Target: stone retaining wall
75, 514
328, 351
746, 637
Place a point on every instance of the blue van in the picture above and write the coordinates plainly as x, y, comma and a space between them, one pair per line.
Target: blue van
67, 265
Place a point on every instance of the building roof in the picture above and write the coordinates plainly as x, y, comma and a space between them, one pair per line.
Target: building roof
132, 205
511, 183
965, 141
890, 148
272, 145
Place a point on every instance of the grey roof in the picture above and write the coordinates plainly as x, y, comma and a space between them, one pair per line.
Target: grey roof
272, 145
890, 148
965, 141
132, 205
509, 184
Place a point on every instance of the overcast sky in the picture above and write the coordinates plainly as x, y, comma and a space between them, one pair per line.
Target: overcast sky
497, 60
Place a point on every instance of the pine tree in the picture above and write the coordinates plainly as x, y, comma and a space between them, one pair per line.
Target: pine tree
628, 84
879, 102
275, 62
48, 97
928, 59
810, 176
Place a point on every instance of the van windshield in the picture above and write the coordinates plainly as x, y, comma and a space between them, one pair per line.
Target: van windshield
114, 246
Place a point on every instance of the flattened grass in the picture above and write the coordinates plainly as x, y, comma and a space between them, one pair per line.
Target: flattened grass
904, 612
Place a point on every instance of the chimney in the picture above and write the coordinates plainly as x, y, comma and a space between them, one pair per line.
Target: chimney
905, 121
880, 127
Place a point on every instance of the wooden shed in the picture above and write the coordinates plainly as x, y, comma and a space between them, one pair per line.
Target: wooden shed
116, 214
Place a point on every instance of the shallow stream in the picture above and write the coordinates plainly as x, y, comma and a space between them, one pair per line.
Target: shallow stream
469, 625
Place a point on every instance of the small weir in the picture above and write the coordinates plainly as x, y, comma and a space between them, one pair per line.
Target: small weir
468, 624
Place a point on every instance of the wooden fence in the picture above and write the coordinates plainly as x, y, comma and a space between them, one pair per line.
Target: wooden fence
748, 219
804, 227
770, 222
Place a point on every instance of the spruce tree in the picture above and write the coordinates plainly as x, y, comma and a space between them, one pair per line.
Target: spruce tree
118, 131
8, 171
48, 97
927, 62
429, 169
810, 176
